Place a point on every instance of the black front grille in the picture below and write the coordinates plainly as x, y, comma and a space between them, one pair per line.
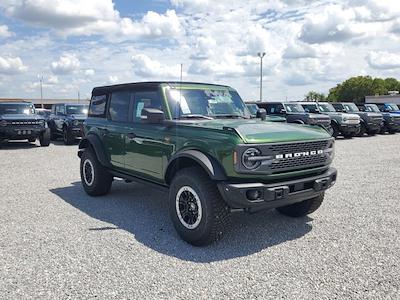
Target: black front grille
303, 154
23, 123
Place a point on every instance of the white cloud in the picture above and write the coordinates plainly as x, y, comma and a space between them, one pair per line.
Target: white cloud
89, 72
92, 17
299, 50
334, 24
52, 79
112, 79
66, 64
5, 32
150, 68
383, 60
11, 65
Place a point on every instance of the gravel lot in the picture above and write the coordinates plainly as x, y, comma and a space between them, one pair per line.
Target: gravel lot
56, 242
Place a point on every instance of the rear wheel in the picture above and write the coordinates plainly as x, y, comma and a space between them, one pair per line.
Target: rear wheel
303, 208
96, 180
197, 210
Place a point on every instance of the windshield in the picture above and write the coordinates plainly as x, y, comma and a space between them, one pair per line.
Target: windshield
392, 107
77, 109
372, 108
294, 108
253, 108
350, 107
206, 102
326, 107
16, 108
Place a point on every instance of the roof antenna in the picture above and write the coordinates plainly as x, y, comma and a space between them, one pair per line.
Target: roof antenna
180, 92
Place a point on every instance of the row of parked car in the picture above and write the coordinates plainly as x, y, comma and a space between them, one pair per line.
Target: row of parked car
21, 121
339, 118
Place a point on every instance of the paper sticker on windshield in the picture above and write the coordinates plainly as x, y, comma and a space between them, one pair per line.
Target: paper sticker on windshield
218, 96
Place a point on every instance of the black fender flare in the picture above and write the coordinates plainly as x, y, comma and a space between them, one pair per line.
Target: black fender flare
94, 142
207, 162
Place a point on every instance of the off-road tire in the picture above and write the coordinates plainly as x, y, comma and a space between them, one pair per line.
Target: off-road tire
335, 129
363, 129
44, 138
102, 179
303, 208
215, 214
68, 138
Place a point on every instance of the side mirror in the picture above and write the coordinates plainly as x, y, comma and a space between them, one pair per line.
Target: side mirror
152, 115
282, 111
261, 113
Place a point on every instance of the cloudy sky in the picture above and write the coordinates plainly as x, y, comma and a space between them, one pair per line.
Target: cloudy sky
309, 45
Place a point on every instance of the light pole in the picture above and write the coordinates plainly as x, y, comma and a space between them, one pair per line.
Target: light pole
41, 89
261, 56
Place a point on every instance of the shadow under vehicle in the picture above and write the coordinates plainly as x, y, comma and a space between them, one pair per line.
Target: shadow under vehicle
19, 121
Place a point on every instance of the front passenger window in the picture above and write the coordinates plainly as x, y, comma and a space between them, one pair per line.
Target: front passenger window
145, 100
119, 106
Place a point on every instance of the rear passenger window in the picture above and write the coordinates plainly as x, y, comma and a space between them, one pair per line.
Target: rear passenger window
145, 100
119, 106
98, 106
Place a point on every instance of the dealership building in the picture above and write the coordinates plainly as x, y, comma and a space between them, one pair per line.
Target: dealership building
394, 98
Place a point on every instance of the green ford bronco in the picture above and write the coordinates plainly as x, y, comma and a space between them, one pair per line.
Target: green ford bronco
199, 142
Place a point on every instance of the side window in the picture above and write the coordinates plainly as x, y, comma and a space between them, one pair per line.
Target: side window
98, 106
145, 100
119, 106
60, 110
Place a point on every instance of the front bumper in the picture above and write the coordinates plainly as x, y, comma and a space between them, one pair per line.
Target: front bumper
373, 127
237, 195
349, 129
20, 133
394, 127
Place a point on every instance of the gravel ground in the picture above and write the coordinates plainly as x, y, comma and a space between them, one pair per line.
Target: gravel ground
56, 242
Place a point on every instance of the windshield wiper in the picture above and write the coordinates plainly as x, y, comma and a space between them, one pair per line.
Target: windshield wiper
193, 116
230, 116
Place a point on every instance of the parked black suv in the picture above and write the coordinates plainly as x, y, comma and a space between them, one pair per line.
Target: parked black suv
391, 122
18, 121
295, 113
371, 122
66, 120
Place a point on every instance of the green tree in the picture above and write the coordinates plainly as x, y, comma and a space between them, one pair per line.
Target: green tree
314, 96
356, 88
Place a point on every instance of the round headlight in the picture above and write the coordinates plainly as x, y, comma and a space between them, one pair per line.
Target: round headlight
76, 122
3, 123
247, 162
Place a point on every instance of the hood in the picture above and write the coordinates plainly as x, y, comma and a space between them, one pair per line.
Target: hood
78, 117
257, 131
318, 116
20, 117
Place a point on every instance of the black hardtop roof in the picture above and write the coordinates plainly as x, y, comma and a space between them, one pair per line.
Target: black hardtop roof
144, 84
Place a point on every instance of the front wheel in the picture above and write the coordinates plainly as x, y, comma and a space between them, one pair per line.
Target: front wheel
96, 180
363, 130
68, 138
196, 207
303, 208
44, 138
335, 129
